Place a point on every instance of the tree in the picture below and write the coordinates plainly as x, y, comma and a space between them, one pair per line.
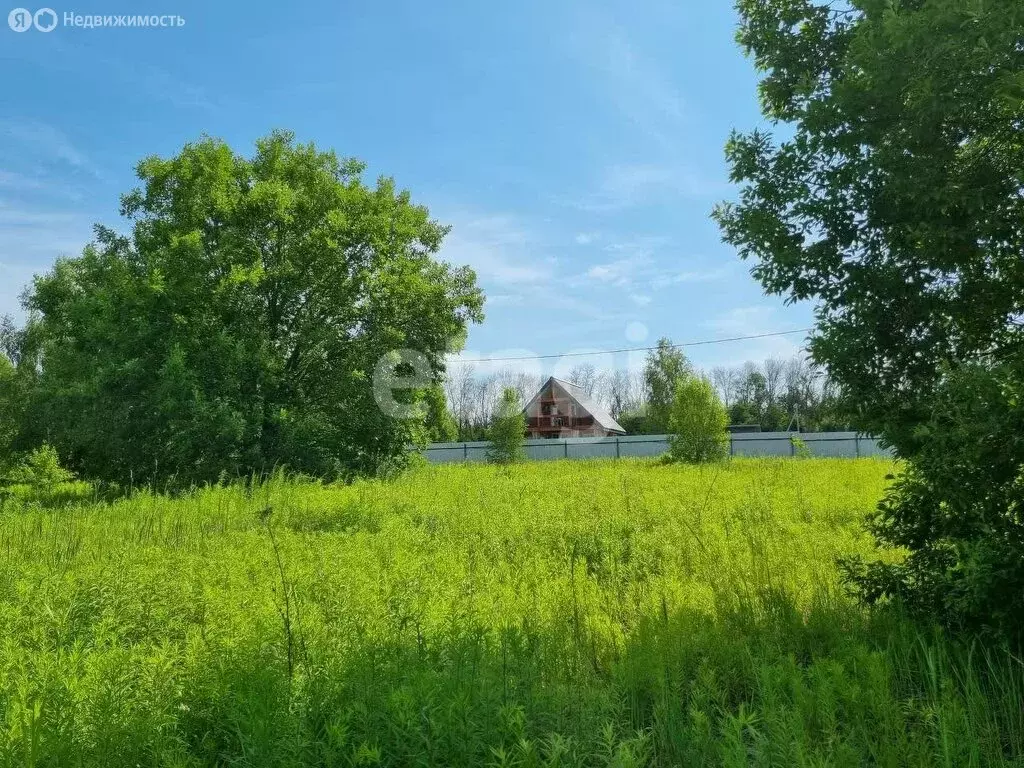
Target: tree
460, 389
438, 420
697, 426
18, 372
586, 377
664, 367
243, 321
624, 392
508, 430
895, 205
726, 382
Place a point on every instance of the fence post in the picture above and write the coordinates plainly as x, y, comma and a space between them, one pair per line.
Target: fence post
618, 452
566, 444
792, 446
856, 443
465, 452
731, 450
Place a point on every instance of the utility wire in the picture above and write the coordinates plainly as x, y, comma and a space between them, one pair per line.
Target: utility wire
632, 349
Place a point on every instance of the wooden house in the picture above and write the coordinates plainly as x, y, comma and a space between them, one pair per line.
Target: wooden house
562, 409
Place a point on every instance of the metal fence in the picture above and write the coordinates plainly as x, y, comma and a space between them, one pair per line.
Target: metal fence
821, 444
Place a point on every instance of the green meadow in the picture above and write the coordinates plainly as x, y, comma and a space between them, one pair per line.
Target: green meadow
552, 614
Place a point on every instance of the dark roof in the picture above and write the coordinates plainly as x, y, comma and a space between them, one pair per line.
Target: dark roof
577, 393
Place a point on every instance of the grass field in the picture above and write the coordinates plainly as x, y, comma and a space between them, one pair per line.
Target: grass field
561, 614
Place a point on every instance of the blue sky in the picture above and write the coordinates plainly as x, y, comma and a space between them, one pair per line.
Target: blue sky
575, 147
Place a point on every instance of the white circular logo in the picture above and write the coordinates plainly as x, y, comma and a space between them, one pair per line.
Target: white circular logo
20, 19
45, 19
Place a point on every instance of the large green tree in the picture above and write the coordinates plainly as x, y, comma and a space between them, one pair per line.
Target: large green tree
893, 198
239, 324
665, 366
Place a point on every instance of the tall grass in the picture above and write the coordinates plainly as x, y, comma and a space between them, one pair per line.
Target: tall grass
562, 614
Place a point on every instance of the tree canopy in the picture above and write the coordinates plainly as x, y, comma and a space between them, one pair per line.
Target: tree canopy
896, 204
894, 200
664, 367
239, 323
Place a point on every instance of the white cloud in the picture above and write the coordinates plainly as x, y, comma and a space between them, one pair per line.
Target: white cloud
634, 84
740, 321
585, 238
499, 248
504, 299
47, 143
637, 268
692, 276
640, 300
30, 241
749, 321
620, 272
628, 185
20, 182
509, 258
642, 92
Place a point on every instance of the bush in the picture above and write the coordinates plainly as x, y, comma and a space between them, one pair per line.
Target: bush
959, 508
697, 423
508, 431
800, 448
41, 469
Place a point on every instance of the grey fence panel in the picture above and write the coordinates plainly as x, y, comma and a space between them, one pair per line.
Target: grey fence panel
869, 446
641, 446
832, 447
822, 444
477, 453
545, 450
442, 455
599, 449
762, 444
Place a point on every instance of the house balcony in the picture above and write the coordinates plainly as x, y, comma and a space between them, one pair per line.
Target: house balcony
558, 423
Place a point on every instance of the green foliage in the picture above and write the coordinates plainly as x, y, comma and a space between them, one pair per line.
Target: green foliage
41, 469
507, 432
239, 325
800, 448
10, 410
637, 422
664, 367
894, 204
39, 478
17, 377
566, 614
966, 562
439, 422
698, 422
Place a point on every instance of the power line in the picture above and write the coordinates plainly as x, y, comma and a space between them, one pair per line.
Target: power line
634, 349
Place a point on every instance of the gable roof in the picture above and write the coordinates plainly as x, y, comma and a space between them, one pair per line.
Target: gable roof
601, 417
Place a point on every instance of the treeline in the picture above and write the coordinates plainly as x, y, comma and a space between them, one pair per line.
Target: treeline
773, 395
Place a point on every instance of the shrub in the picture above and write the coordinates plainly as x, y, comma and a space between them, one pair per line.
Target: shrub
41, 469
508, 431
697, 423
800, 448
959, 508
